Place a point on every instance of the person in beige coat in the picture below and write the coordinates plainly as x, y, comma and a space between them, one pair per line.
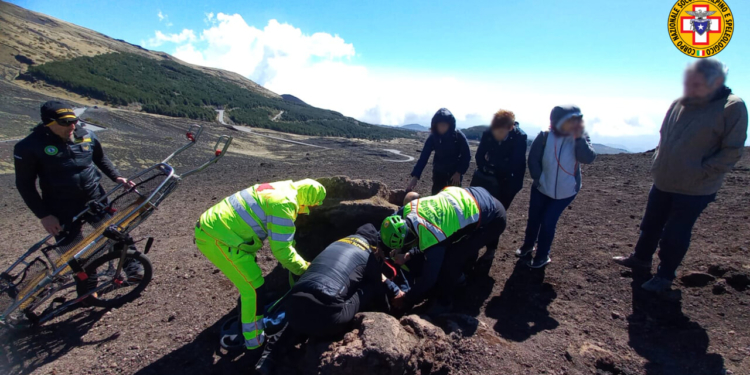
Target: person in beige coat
702, 137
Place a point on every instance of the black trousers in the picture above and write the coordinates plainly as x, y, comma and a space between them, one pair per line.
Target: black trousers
460, 256
441, 180
668, 224
308, 315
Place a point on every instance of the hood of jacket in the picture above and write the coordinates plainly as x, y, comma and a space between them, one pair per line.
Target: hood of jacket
562, 113
443, 115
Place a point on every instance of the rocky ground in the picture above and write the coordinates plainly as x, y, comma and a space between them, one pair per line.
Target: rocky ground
582, 315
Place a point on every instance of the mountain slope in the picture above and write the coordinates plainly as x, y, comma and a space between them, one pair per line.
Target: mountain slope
27, 36
55, 57
415, 127
169, 88
293, 99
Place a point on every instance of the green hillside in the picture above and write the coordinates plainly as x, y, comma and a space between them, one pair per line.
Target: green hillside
475, 132
171, 89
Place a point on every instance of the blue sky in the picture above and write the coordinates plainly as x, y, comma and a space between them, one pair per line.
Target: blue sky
397, 62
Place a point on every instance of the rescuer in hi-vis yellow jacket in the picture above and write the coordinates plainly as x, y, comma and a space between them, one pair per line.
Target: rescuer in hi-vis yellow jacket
231, 232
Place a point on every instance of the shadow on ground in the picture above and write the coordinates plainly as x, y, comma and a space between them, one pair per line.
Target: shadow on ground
204, 356
470, 300
663, 335
25, 351
521, 308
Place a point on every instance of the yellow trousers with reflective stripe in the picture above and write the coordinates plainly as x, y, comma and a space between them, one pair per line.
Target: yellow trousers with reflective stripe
240, 268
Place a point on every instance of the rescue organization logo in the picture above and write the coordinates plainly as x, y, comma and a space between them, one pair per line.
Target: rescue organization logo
50, 150
700, 28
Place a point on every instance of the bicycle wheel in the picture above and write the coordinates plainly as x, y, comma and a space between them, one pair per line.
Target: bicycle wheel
116, 291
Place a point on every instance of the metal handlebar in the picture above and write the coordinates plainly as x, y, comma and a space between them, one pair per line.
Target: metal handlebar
192, 135
220, 148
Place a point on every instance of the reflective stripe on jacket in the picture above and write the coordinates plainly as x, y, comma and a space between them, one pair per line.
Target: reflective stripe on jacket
438, 217
266, 211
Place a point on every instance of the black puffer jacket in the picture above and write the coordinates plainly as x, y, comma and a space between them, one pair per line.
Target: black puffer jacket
505, 160
67, 171
345, 267
452, 152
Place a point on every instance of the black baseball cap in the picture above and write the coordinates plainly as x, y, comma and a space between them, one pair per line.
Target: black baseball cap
57, 111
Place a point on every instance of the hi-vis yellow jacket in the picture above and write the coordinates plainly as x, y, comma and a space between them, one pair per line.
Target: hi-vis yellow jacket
436, 218
243, 220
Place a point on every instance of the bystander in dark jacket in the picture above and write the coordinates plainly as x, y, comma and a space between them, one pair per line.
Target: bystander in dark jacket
452, 154
702, 138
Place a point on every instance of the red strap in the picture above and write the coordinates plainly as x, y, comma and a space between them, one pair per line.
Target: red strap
387, 263
560, 165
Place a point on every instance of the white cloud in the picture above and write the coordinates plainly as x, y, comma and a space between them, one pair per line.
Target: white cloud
320, 69
161, 38
164, 17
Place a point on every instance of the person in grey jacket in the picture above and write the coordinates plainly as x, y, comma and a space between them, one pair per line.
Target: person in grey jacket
555, 166
702, 137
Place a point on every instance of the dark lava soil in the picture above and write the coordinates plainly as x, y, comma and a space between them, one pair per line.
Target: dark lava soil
582, 315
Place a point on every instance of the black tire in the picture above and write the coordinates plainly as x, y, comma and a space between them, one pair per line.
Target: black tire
101, 271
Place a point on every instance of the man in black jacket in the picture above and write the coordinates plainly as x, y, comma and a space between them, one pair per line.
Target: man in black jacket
341, 281
64, 157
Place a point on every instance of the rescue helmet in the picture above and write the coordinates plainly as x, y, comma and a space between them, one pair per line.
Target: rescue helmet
393, 232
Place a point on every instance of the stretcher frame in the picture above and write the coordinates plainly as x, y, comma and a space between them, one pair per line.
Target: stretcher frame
60, 274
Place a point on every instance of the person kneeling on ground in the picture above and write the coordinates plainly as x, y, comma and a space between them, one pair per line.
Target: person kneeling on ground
443, 235
341, 281
230, 234
555, 166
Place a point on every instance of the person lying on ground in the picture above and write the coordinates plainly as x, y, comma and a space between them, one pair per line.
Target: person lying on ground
555, 166
230, 234
452, 154
702, 138
341, 281
501, 163
444, 232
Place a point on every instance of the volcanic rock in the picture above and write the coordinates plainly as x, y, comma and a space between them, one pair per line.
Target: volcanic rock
382, 345
697, 279
349, 204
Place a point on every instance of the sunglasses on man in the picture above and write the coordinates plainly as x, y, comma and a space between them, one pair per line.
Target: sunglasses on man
67, 122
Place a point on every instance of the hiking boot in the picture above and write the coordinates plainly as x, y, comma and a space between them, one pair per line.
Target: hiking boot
133, 270
631, 261
266, 366
232, 342
657, 284
524, 251
539, 263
